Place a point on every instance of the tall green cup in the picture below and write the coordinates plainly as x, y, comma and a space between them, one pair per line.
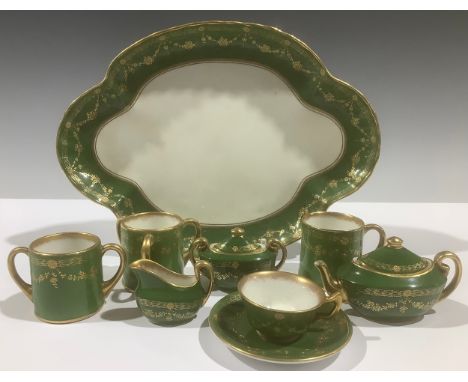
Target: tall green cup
157, 236
333, 237
66, 275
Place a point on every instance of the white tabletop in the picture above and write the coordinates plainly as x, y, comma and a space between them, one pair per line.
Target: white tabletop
119, 338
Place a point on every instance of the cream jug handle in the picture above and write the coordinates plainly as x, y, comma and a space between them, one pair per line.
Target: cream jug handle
438, 259
199, 266
199, 243
23, 285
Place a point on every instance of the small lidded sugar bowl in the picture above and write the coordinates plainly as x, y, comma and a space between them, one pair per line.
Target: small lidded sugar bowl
393, 283
237, 256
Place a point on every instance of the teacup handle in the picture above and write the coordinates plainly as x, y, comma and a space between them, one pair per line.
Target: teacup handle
199, 266
198, 244
195, 224
380, 231
337, 300
146, 247
23, 285
438, 259
276, 245
108, 285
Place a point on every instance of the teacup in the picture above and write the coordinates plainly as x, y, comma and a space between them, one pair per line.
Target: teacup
282, 306
66, 275
334, 238
157, 236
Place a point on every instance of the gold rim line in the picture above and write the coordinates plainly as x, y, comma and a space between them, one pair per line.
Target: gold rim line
246, 353
429, 267
265, 27
284, 275
346, 216
149, 266
123, 220
54, 236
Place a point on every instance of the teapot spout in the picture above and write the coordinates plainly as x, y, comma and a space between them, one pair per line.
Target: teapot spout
330, 284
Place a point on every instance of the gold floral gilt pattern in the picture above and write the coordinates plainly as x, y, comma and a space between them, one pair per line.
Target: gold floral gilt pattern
401, 305
56, 277
402, 293
168, 305
87, 111
58, 263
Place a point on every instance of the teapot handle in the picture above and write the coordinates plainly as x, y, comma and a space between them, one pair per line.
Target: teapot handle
199, 266
276, 245
438, 259
380, 231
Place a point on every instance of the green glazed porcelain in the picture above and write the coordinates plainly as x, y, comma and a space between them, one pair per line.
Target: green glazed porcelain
392, 283
158, 236
333, 237
66, 273
168, 298
221, 41
283, 306
228, 320
238, 257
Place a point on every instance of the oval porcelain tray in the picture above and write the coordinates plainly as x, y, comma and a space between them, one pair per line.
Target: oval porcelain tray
230, 123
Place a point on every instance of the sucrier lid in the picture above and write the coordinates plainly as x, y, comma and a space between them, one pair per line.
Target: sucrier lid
237, 244
395, 259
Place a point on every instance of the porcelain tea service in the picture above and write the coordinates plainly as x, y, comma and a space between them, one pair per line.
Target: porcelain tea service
249, 213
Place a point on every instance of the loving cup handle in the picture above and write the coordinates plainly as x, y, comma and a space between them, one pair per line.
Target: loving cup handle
108, 285
23, 285
276, 245
380, 231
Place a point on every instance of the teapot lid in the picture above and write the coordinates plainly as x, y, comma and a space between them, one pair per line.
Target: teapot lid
393, 258
237, 244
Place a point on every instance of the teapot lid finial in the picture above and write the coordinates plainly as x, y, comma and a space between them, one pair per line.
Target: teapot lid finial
238, 231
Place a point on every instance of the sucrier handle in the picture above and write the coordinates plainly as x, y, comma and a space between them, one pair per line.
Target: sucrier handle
438, 259
199, 266
108, 285
195, 224
198, 244
276, 245
380, 231
23, 285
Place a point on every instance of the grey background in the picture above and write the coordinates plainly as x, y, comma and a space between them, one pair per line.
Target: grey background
412, 67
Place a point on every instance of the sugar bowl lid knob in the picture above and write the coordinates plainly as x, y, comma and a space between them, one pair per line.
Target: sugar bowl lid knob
394, 242
238, 231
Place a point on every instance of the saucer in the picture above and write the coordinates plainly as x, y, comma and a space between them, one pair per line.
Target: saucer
229, 322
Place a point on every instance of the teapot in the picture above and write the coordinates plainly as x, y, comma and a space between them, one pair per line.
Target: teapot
393, 283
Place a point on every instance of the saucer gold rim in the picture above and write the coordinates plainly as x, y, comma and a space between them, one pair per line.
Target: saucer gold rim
230, 299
